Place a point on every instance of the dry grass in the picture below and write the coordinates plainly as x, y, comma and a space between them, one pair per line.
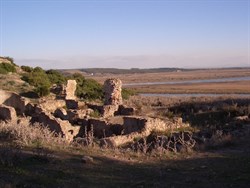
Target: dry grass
13, 82
219, 140
27, 135
146, 105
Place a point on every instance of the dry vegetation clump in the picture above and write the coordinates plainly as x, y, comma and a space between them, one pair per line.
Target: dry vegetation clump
27, 135
147, 106
157, 144
219, 140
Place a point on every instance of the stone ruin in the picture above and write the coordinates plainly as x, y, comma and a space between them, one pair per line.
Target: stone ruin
8, 113
13, 100
66, 92
70, 90
112, 96
113, 91
117, 124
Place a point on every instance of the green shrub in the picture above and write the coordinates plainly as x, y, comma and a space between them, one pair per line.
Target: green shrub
6, 68
87, 88
38, 69
126, 93
39, 79
27, 68
36, 79
91, 90
2, 70
55, 77
42, 90
95, 114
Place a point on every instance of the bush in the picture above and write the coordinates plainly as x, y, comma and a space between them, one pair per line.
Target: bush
25, 134
55, 77
5, 68
2, 70
91, 90
38, 69
126, 93
42, 90
87, 88
27, 68
39, 79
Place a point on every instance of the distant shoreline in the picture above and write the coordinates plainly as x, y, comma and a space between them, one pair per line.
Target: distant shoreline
146, 70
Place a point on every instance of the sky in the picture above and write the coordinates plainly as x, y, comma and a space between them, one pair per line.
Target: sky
68, 34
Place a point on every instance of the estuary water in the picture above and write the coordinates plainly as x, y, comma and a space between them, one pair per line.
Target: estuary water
232, 79
191, 95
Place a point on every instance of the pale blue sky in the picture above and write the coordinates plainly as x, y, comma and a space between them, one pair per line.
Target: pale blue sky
125, 33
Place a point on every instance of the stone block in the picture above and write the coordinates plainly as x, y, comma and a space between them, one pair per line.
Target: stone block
7, 113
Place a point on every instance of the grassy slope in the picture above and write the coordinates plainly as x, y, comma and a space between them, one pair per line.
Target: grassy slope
13, 82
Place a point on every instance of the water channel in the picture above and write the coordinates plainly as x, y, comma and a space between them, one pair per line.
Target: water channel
192, 95
232, 79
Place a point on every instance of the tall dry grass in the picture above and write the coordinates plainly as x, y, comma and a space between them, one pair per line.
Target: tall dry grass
25, 134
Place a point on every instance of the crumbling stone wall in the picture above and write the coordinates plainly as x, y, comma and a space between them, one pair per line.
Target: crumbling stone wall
7, 113
57, 125
51, 105
112, 91
14, 100
70, 90
134, 127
